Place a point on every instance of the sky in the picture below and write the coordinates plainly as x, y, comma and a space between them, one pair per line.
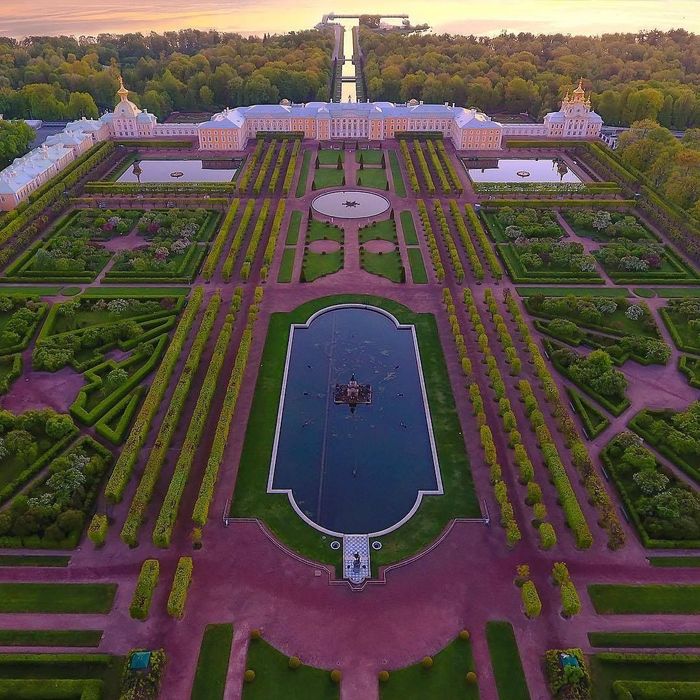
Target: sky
78, 17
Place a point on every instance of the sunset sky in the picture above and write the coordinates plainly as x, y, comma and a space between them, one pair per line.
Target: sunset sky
22, 17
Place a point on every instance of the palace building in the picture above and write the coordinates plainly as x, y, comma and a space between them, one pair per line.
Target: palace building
230, 130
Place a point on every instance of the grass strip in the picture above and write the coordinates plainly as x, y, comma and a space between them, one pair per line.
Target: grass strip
505, 660
418, 272
212, 664
397, 175
677, 562
650, 599
304, 174
33, 560
57, 597
636, 640
50, 638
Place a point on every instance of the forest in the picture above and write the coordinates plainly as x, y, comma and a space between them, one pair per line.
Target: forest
58, 78
649, 75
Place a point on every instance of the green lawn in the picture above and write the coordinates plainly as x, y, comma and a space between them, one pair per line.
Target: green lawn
379, 230
328, 177
323, 231
33, 560
669, 599
644, 639
28, 290
594, 422
328, 156
317, 265
212, 664
304, 174
670, 562
399, 185
293, 228
50, 638
274, 679
415, 260
674, 292
370, 156
56, 597
506, 663
446, 680
683, 335
372, 177
577, 291
287, 265
409, 228
383, 264
250, 498
554, 273
690, 367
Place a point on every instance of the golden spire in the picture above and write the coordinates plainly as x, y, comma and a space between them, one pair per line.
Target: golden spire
579, 90
122, 92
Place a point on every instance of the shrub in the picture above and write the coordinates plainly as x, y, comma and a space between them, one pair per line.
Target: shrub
570, 601
548, 537
97, 531
255, 634
249, 675
531, 600
336, 675
383, 676
471, 678
464, 635
145, 586
294, 662
427, 662
181, 584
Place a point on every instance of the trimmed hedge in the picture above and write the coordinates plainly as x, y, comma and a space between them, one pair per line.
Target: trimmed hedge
412, 176
97, 531
180, 587
124, 467
532, 605
431, 241
423, 165
491, 258
449, 242
237, 242
145, 587
217, 247
477, 267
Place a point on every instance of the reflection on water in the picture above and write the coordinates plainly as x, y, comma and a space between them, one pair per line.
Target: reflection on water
520, 170
355, 471
179, 171
349, 89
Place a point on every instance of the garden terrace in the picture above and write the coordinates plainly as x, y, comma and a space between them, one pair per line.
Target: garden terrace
323, 252
507, 224
604, 225
594, 422
665, 511
371, 169
682, 318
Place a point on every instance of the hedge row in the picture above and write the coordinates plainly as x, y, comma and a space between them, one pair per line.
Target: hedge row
162, 532
467, 242
97, 530
254, 242
532, 604
597, 494
504, 336
444, 182
412, 176
218, 246
423, 165
564, 203
145, 587
449, 242
456, 182
223, 424
570, 601
127, 459
431, 241
489, 254
159, 451
238, 238
181, 584
291, 168
276, 171
244, 180
457, 332
112, 188
272, 240
264, 167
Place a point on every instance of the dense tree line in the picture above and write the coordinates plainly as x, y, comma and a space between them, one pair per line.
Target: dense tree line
15, 138
672, 165
65, 78
648, 75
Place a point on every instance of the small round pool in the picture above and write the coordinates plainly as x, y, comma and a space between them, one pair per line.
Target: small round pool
350, 204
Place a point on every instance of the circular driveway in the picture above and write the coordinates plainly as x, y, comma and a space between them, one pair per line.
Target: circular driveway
350, 204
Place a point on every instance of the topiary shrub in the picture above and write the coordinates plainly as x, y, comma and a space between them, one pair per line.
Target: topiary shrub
336, 675
464, 635
97, 531
249, 676
383, 676
255, 634
427, 662
294, 662
471, 678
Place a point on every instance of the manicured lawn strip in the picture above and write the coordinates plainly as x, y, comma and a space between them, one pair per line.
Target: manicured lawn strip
415, 260
29, 290
317, 265
409, 228
658, 672
673, 292
577, 291
329, 156
644, 639
293, 228
57, 597
662, 599
287, 265
50, 638
33, 560
250, 496
506, 663
212, 663
678, 562
379, 231
594, 422
328, 177
372, 177
323, 231
446, 679
370, 156
690, 367
51, 689
272, 674
397, 176
383, 264
108, 291
683, 335
304, 174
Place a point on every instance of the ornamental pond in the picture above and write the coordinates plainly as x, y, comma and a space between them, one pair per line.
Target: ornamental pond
159, 171
519, 170
362, 468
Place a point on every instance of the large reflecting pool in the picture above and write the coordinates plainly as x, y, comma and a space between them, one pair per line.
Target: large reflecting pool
361, 469
180, 171
520, 170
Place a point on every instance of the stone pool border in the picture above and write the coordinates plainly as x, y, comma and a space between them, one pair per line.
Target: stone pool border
439, 491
